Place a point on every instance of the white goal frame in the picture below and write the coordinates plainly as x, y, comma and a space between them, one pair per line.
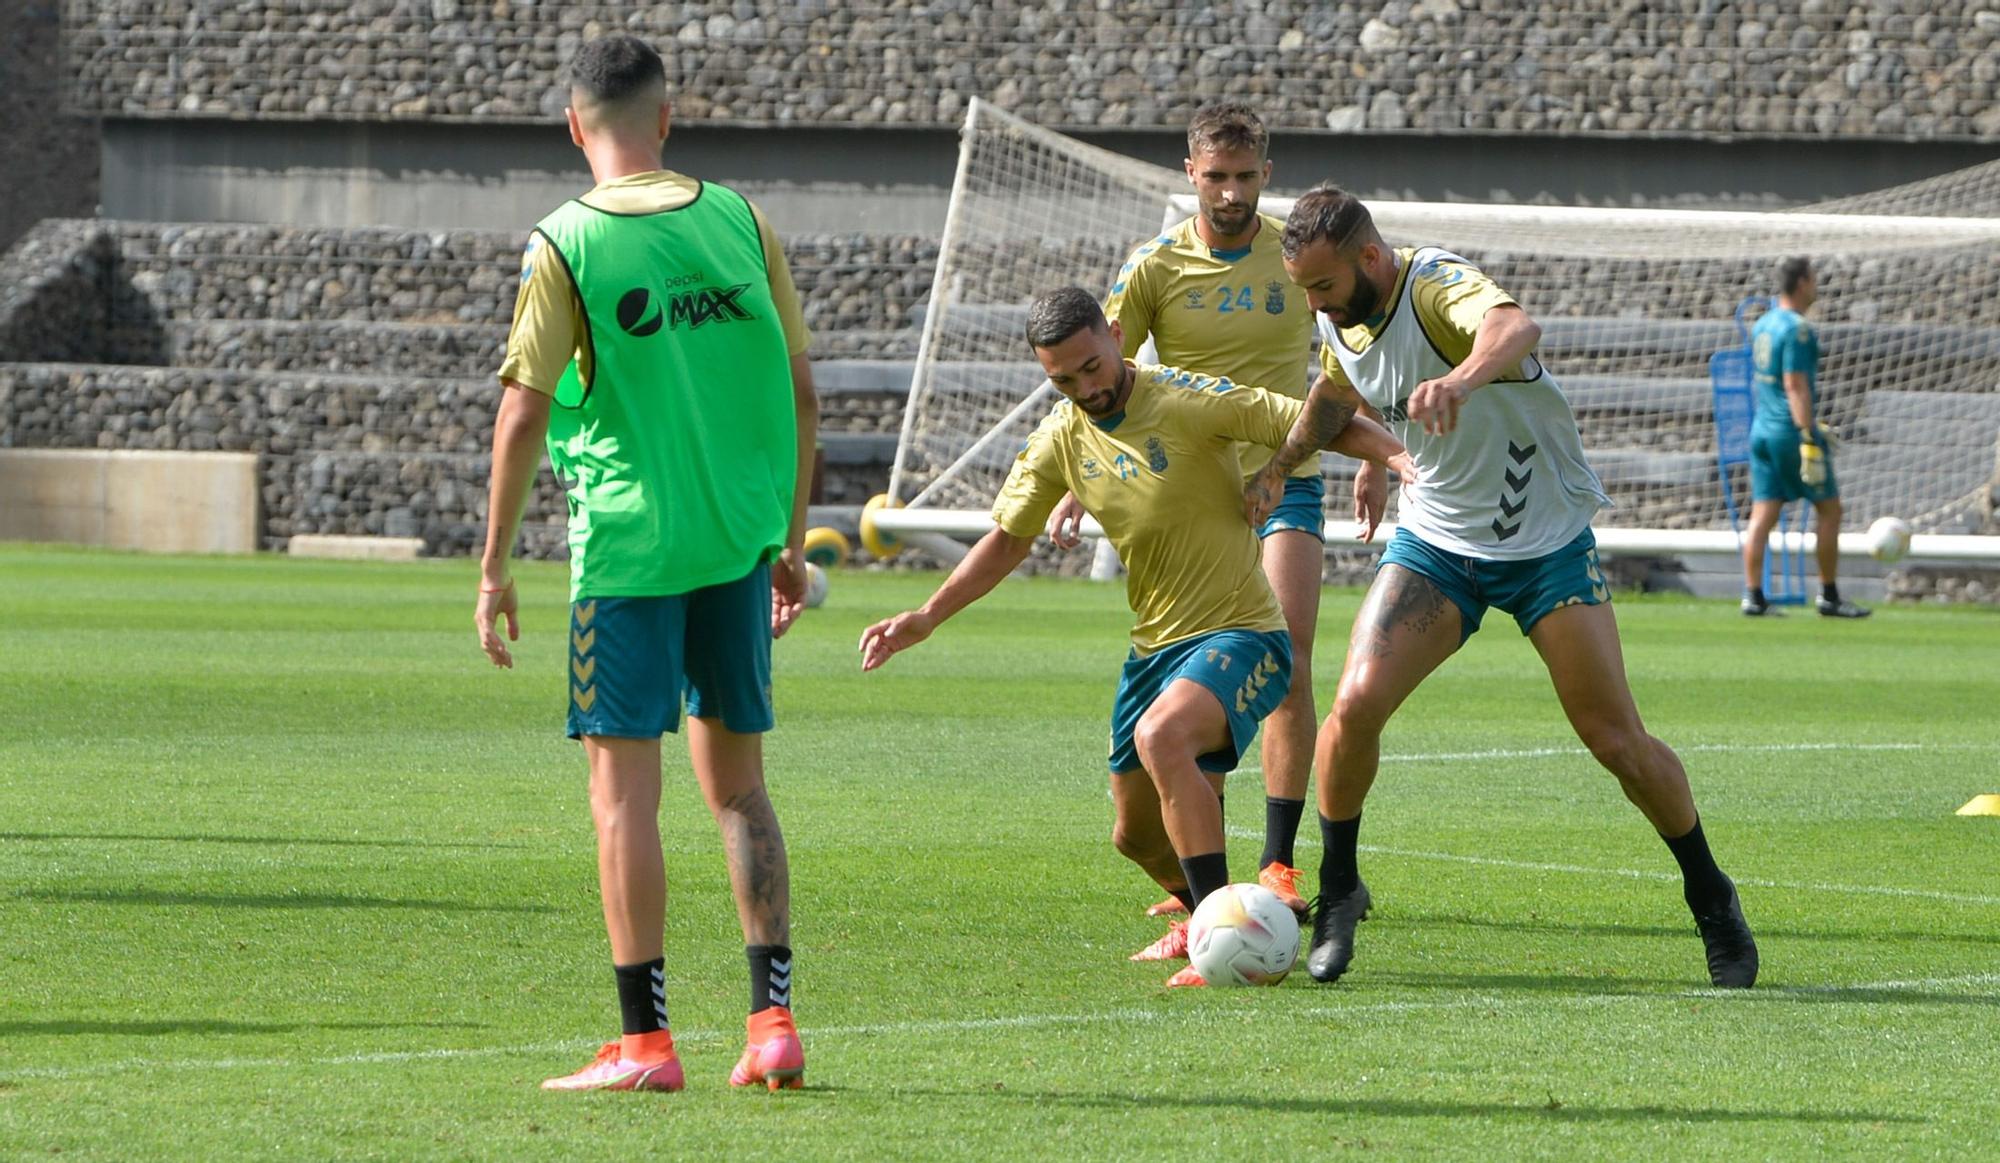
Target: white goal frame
1809, 230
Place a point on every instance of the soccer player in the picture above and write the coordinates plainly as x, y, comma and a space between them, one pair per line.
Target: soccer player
659, 349
1151, 453
1499, 517
1213, 294
1790, 455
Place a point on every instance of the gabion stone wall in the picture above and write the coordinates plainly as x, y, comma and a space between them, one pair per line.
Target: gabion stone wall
1811, 68
295, 298
359, 363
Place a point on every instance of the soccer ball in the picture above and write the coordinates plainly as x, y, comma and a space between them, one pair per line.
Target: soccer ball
816, 585
1242, 934
1889, 539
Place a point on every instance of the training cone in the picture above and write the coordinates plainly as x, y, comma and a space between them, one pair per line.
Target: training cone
1986, 805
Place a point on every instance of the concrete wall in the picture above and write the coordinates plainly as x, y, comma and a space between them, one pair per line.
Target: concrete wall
163, 502
897, 181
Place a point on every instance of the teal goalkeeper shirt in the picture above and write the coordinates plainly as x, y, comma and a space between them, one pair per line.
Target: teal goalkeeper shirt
1781, 342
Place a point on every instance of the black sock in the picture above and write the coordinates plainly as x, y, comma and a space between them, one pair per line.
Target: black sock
1185, 896
1706, 888
1756, 595
1281, 829
1338, 875
1205, 874
1828, 592
770, 976
642, 996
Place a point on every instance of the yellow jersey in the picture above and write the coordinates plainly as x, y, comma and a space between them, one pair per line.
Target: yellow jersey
1163, 479
549, 327
1230, 313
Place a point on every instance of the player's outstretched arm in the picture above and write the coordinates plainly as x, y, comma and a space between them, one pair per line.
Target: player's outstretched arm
998, 554
518, 431
1329, 407
1365, 440
1505, 337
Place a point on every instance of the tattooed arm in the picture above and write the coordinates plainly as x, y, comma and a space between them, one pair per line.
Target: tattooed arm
1329, 408
1332, 419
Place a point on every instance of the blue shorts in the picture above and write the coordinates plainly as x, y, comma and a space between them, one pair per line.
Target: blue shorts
1774, 470
1303, 507
1248, 670
1528, 589
631, 659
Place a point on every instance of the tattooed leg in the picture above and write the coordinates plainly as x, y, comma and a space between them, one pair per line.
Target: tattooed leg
730, 768
1405, 630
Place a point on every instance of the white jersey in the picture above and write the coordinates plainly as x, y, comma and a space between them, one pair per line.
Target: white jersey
1510, 482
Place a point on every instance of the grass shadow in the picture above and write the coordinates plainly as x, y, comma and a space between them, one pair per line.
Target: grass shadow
1552, 1109
158, 1027
1607, 929
216, 838
159, 898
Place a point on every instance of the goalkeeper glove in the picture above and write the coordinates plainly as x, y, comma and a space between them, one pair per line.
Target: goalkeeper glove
1812, 464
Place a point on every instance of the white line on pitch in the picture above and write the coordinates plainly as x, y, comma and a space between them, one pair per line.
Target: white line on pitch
1002, 1022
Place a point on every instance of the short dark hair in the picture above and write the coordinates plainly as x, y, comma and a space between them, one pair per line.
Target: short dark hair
1056, 315
612, 68
1327, 213
1793, 271
1226, 125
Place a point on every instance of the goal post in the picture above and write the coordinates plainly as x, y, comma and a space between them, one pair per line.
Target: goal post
1632, 304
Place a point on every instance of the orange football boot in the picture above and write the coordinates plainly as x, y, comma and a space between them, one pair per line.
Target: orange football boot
1283, 881
1171, 947
773, 1055
611, 1070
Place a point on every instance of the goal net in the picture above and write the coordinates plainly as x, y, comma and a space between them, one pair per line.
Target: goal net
1632, 304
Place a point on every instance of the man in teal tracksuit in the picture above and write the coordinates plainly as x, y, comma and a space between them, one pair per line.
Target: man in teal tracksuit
1790, 455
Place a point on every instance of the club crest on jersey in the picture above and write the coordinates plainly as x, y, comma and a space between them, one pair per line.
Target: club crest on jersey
1156, 454
1274, 298
1194, 299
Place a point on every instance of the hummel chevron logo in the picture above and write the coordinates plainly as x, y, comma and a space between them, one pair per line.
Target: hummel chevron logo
781, 983
586, 697
584, 641
584, 668
1511, 510
1520, 454
1520, 482
584, 613
1503, 532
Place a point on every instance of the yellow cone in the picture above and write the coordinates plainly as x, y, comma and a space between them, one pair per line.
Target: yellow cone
1986, 805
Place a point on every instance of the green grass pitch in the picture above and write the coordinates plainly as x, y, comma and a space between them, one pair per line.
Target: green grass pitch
288, 871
